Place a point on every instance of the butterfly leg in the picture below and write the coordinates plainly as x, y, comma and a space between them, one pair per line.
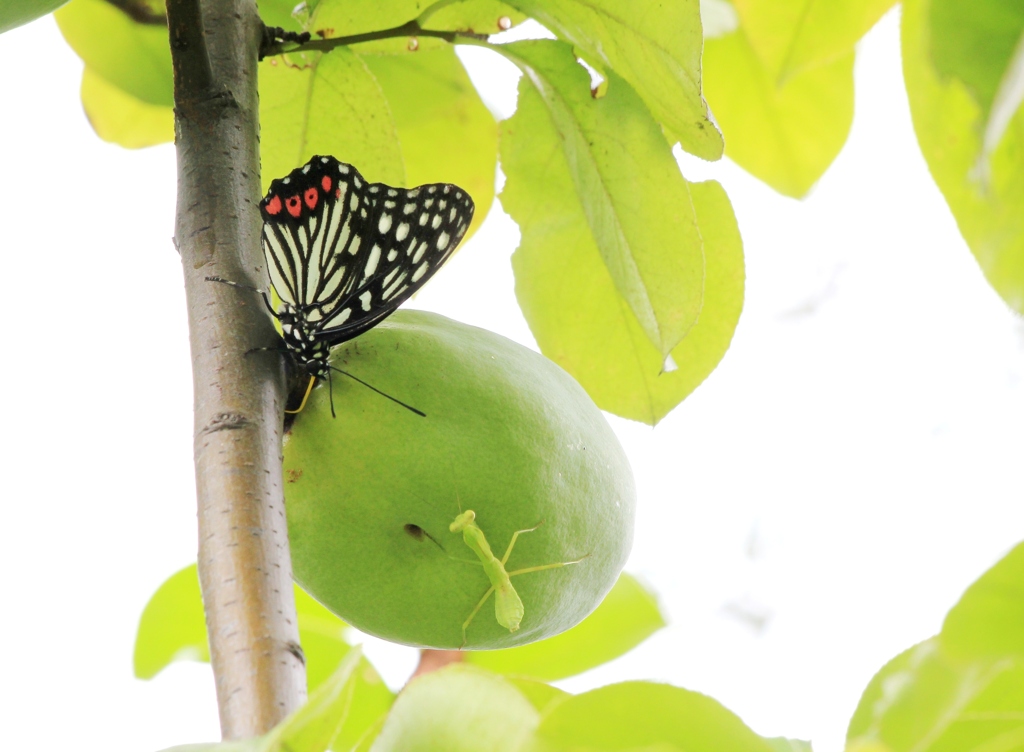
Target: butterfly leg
263, 293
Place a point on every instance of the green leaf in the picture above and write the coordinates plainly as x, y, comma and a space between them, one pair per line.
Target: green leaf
785, 134
458, 708
989, 208
982, 45
314, 726
782, 744
120, 118
311, 728
338, 18
637, 206
974, 42
446, 133
540, 695
172, 627
326, 104
987, 621
657, 51
790, 36
925, 700
279, 13
567, 293
131, 56
14, 13
634, 715
628, 615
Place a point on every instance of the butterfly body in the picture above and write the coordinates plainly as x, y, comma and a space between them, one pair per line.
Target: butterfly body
343, 254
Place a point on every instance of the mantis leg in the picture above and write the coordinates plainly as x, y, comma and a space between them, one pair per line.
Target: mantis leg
547, 566
465, 624
512, 543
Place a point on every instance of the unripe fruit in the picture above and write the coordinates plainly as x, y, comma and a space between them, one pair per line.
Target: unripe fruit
372, 493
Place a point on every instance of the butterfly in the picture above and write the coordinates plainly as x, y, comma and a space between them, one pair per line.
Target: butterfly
344, 254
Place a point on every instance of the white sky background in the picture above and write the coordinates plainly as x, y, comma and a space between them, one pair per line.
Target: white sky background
851, 466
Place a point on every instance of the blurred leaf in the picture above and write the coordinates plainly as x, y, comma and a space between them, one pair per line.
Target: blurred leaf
989, 208
782, 744
787, 135
458, 708
926, 700
644, 715
333, 105
315, 725
15, 13
120, 118
656, 49
131, 56
982, 44
172, 627
790, 36
627, 616
311, 728
540, 695
446, 133
279, 13
974, 42
567, 293
636, 204
988, 620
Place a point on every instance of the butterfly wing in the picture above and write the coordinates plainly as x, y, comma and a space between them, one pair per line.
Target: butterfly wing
348, 253
412, 233
314, 222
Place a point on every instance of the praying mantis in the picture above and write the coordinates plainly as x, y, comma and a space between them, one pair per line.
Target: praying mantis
508, 606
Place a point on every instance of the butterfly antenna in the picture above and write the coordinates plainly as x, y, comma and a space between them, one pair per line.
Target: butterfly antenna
410, 408
455, 481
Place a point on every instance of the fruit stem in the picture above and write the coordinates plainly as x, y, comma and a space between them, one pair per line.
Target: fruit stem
432, 660
244, 560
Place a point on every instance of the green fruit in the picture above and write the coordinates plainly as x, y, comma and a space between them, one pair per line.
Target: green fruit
507, 433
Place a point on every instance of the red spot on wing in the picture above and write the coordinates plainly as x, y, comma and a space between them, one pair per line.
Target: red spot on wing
337, 192
274, 205
311, 197
326, 183
293, 205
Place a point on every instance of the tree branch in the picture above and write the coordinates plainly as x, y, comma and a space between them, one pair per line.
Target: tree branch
244, 561
409, 29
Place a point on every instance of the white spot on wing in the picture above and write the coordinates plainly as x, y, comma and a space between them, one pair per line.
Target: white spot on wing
423, 218
392, 254
408, 208
402, 232
442, 241
366, 298
385, 223
437, 221
419, 252
420, 271
371, 263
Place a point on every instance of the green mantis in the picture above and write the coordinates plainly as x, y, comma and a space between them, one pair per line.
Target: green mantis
508, 606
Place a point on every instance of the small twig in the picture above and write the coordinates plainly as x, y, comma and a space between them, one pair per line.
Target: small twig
140, 12
409, 29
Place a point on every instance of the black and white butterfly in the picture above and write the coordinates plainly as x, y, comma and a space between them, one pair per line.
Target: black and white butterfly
343, 254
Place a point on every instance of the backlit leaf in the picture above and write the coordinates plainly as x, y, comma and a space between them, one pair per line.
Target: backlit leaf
786, 134
133, 57
636, 205
628, 615
120, 118
949, 123
656, 47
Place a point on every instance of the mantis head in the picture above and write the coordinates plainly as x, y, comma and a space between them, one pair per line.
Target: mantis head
463, 521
